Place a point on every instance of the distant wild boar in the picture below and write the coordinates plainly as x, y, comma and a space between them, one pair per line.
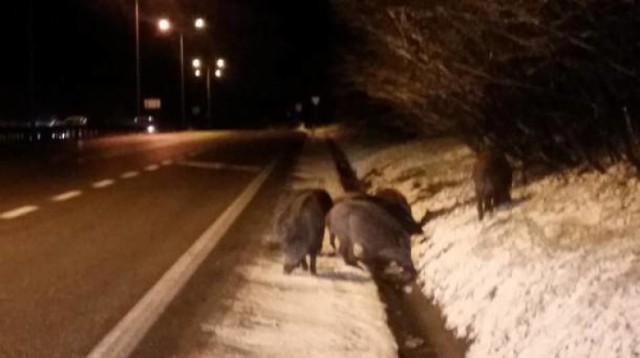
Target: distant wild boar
492, 176
382, 237
300, 227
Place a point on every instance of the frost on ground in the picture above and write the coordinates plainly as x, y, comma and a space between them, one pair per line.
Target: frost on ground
556, 274
336, 314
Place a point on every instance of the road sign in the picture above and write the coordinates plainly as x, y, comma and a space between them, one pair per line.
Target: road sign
315, 100
152, 103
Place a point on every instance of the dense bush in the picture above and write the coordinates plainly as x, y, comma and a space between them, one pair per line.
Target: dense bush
553, 82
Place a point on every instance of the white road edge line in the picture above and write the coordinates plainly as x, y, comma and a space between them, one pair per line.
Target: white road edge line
129, 175
103, 183
127, 334
66, 196
12, 214
152, 167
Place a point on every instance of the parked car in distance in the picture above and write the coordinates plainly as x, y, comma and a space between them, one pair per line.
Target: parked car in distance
145, 122
47, 122
76, 120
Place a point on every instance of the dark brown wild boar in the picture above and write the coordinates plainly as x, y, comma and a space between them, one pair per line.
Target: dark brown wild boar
393, 202
381, 237
300, 227
492, 176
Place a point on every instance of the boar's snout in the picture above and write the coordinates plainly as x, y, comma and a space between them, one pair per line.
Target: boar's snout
287, 269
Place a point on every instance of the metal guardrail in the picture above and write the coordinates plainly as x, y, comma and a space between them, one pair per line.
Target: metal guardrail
15, 135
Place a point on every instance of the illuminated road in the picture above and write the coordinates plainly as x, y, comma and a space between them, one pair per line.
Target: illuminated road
87, 229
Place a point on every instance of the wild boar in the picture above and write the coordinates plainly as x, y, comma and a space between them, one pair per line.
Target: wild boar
370, 226
392, 201
300, 227
492, 176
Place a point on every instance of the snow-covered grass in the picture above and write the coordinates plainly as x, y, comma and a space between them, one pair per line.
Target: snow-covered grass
555, 274
336, 314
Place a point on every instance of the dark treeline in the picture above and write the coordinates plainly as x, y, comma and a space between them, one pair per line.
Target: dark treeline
552, 82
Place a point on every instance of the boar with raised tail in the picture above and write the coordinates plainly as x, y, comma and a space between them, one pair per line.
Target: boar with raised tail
300, 227
492, 176
369, 225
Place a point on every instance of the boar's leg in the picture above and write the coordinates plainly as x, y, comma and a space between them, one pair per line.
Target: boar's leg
480, 201
346, 250
332, 241
490, 202
504, 197
303, 263
312, 263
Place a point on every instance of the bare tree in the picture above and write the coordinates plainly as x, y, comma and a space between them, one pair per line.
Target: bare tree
553, 82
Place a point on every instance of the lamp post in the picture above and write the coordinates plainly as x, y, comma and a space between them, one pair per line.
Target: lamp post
219, 66
164, 25
31, 61
138, 85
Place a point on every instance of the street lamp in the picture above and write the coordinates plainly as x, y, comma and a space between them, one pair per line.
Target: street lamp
219, 64
199, 23
164, 25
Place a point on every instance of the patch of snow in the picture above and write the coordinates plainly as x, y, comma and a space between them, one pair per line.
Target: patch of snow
554, 274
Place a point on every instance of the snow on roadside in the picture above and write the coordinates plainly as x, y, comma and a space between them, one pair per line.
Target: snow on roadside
557, 274
336, 314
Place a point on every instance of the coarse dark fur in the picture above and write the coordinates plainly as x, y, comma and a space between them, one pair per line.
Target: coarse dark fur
393, 202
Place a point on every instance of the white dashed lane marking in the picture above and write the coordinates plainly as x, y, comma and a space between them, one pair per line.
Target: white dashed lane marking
151, 167
66, 196
15, 213
103, 183
129, 175
167, 162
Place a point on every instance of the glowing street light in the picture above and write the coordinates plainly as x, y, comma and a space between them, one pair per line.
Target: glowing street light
198, 73
196, 63
218, 73
164, 25
220, 63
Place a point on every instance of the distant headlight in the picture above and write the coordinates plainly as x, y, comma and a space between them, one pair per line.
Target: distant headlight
151, 129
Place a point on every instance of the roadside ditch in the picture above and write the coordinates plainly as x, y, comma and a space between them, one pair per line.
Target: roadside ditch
416, 323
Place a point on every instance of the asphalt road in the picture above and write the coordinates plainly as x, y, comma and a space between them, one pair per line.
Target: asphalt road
87, 228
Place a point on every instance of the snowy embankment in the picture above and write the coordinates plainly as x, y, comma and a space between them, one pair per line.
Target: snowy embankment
336, 314
556, 274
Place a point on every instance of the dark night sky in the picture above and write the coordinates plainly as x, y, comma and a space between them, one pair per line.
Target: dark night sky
278, 51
